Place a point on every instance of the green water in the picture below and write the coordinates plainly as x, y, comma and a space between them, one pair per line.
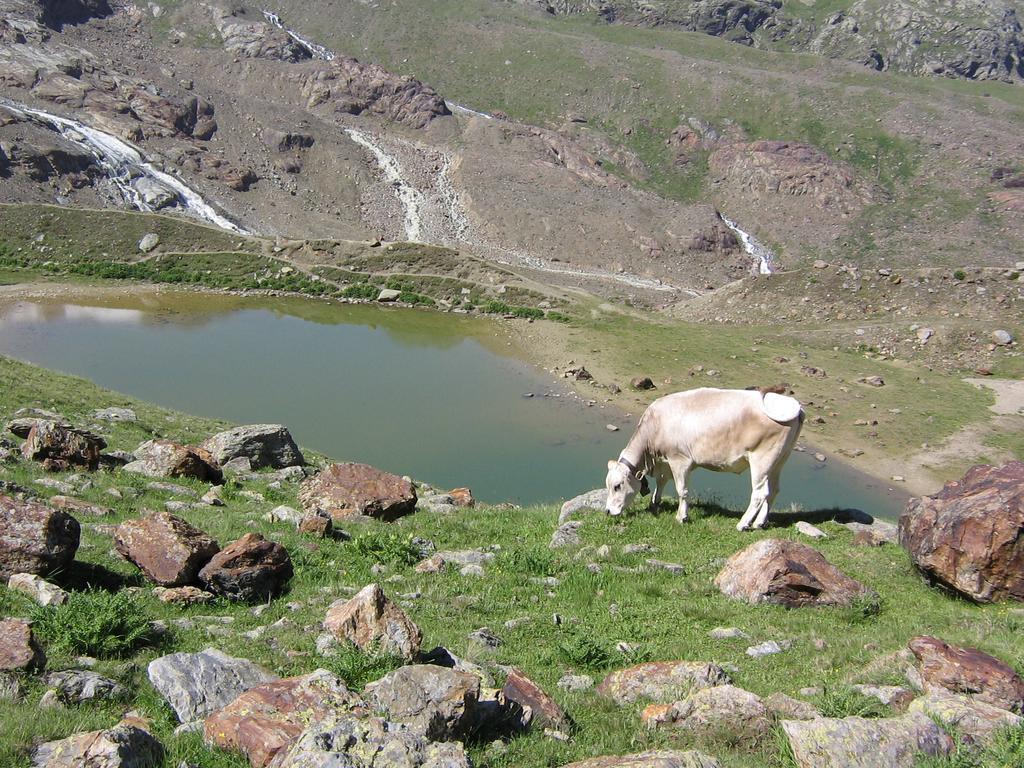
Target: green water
418, 393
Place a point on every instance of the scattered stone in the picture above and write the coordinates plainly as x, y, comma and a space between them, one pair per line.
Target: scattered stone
35, 538
611, 427
662, 758
316, 525
661, 682
786, 573
924, 334
196, 684
856, 742
285, 514
40, 590
814, 373
388, 294
167, 549
435, 701
539, 707
767, 648
872, 381
370, 620
472, 570
268, 718
968, 671
346, 490
728, 633
595, 499
149, 241
785, 707
711, 710
239, 466
810, 530
127, 745
18, 647
485, 638
76, 686
567, 535
249, 569
894, 696
462, 497
265, 445
182, 595
433, 564
115, 414
975, 721
214, 496
575, 683
970, 535
465, 556
1002, 338
78, 507
60, 448
641, 383
163, 458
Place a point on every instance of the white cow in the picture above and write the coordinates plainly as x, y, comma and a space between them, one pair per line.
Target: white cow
725, 430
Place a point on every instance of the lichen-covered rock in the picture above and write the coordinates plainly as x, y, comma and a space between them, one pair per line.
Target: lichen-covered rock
436, 701
975, 721
786, 573
60, 448
661, 682
344, 490
75, 686
713, 710
78, 507
371, 621
187, 595
268, 718
196, 684
35, 538
265, 445
250, 569
856, 742
127, 745
968, 671
167, 549
970, 535
663, 758
40, 590
164, 458
18, 647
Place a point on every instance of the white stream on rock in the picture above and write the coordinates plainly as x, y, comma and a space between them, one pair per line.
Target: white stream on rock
316, 51
412, 199
125, 166
762, 255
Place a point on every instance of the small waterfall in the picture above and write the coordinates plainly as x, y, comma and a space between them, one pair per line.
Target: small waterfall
453, 107
316, 51
762, 255
412, 199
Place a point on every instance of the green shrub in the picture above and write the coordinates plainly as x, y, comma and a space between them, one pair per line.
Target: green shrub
959, 275
846, 702
582, 651
387, 547
357, 667
95, 623
361, 291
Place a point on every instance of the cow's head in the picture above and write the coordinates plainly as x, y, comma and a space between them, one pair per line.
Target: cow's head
622, 486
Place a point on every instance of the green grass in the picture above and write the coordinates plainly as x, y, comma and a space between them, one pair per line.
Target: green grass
658, 614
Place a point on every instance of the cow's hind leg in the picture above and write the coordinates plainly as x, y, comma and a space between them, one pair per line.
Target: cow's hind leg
773, 491
681, 469
757, 509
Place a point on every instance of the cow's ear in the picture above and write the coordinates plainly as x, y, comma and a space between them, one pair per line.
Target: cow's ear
612, 463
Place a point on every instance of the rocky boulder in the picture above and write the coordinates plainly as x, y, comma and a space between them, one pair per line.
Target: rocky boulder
713, 710
344, 490
18, 647
974, 721
970, 535
368, 742
538, 707
856, 742
167, 549
786, 573
436, 701
250, 569
34, 538
268, 718
61, 448
77, 685
265, 445
968, 671
127, 745
196, 684
256, 39
662, 758
595, 499
40, 590
163, 458
371, 621
661, 682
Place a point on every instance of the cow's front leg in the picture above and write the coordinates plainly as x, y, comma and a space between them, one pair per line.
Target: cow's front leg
661, 475
681, 469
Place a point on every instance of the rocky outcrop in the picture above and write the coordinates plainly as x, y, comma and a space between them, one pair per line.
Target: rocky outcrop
786, 573
970, 535
371, 621
19, 650
974, 721
61, 448
265, 445
436, 701
197, 684
35, 538
268, 718
167, 549
164, 458
250, 569
127, 745
661, 682
344, 490
662, 758
710, 710
968, 671
254, 39
855, 742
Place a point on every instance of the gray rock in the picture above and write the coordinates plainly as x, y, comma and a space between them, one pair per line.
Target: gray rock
195, 684
879, 530
40, 590
265, 445
115, 414
810, 530
662, 758
728, 633
856, 742
595, 499
472, 570
889, 695
567, 535
77, 685
466, 556
575, 682
485, 638
154, 194
785, 707
238, 466
388, 294
767, 648
435, 701
974, 720
1002, 338
285, 514
149, 242
127, 745
713, 710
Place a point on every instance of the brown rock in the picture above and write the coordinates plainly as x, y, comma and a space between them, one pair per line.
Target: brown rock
35, 538
77, 506
268, 718
182, 595
316, 525
786, 573
60, 448
541, 708
661, 681
641, 382
127, 745
345, 490
968, 671
662, 758
970, 535
369, 620
462, 497
433, 564
249, 569
18, 647
167, 549
163, 458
